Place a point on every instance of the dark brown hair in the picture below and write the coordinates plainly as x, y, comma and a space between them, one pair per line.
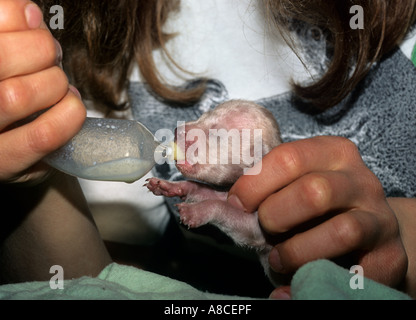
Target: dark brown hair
386, 22
101, 39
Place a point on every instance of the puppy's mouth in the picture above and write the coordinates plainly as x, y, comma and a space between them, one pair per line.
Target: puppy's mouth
180, 146
177, 153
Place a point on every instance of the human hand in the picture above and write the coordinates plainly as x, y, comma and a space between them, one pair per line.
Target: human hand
32, 81
320, 194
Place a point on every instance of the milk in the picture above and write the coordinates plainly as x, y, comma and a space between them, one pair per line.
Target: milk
126, 169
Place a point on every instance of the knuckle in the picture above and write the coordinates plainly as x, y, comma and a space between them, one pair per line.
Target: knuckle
348, 149
346, 144
347, 231
373, 184
368, 188
316, 191
41, 138
12, 97
287, 158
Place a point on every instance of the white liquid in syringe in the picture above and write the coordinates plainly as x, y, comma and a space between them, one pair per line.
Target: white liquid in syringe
126, 169
109, 150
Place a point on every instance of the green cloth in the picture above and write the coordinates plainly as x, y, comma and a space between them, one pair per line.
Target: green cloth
324, 280
115, 282
320, 279
414, 56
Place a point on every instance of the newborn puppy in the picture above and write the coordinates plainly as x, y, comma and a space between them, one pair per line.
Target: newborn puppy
199, 152
221, 144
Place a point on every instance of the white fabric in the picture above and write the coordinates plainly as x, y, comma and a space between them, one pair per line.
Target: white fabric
408, 44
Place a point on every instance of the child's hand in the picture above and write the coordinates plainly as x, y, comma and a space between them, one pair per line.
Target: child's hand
30, 81
321, 190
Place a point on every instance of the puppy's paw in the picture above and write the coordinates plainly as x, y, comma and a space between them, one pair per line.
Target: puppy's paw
191, 216
164, 188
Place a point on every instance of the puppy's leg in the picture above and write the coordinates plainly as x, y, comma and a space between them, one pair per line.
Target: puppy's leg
188, 191
242, 227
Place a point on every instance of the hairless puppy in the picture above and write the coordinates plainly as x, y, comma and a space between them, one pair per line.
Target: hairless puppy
212, 167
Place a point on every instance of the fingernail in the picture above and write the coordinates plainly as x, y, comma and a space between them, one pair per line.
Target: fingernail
75, 91
236, 202
274, 261
59, 54
34, 16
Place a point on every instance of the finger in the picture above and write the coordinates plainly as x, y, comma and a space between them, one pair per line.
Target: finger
19, 15
335, 237
307, 198
281, 293
289, 161
24, 146
12, 15
25, 95
27, 52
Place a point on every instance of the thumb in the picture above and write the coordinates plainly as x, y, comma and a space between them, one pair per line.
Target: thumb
20, 15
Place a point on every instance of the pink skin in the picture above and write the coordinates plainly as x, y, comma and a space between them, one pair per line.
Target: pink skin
202, 204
